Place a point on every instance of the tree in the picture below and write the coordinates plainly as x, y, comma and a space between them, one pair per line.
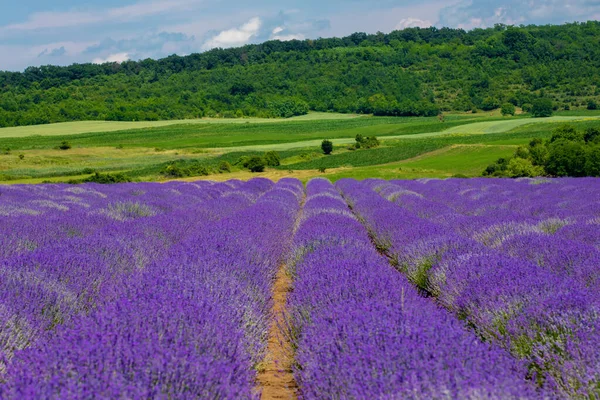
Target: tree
566, 158
527, 107
538, 153
508, 109
592, 135
542, 108
64, 145
566, 132
256, 164
592, 105
592, 163
327, 146
272, 159
520, 167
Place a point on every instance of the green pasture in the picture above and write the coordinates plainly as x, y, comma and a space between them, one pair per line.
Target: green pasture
79, 127
410, 147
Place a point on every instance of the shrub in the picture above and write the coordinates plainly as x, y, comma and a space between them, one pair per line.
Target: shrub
542, 108
272, 159
520, 168
21, 156
566, 132
592, 105
527, 107
64, 145
288, 108
108, 178
592, 164
368, 142
183, 168
489, 103
256, 164
508, 109
566, 158
327, 146
224, 166
592, 135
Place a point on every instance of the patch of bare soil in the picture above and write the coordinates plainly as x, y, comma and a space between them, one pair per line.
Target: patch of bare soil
275, 379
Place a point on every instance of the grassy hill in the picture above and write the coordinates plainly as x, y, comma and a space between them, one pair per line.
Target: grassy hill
413, 72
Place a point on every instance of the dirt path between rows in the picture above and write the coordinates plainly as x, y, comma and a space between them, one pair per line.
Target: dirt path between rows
276, 379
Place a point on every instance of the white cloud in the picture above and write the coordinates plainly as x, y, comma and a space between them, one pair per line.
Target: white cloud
69, 19
277, 30
485, 13
118, 58
413, 23
236, 36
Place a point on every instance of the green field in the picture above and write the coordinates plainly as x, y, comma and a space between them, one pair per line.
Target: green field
76, 128
415, 147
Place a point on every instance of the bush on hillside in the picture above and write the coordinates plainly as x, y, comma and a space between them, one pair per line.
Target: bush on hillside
542, 108
327, 146
272, 159
256, 164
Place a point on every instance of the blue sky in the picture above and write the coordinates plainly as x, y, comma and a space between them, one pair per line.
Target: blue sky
40, 32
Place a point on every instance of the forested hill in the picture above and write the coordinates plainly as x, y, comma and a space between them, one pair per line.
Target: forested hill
410, 72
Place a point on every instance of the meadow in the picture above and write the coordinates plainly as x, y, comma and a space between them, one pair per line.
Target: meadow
471, 289
31, 154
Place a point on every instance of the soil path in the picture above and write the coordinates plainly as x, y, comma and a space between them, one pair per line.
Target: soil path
276, 380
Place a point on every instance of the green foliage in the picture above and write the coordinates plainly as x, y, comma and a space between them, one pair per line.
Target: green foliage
592, 105
288, 108
527, 107
508, 109
327, 146
224, 166
256, 164
64, 145
538, 152
592, 135
415, 71
368, 142
542, 108
569, 152
272, 159
592, 163
521, 167
489, 104
185, 168
566, 158
566, 132
106, 179
21, 156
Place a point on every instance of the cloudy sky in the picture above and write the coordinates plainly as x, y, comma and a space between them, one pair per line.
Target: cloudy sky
40, 32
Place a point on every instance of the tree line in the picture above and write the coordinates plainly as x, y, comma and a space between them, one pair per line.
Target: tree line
410, 72
569, 152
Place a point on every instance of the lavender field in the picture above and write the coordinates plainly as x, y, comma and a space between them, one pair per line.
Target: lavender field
444, 289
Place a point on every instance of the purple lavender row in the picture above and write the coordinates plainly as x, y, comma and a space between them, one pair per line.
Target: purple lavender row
361, 331
46, 287
569, 208
34, 216
190, 325
531, 233
551, 320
